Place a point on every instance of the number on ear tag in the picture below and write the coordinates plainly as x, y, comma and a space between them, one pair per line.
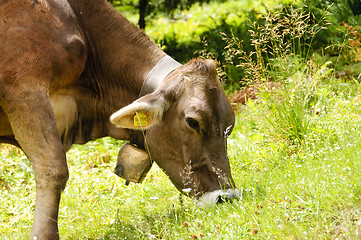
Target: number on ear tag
140, 119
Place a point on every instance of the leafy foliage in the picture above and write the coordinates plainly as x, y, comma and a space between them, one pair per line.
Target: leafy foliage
201, 31
149, 9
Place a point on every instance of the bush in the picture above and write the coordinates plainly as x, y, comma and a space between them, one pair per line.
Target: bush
199, 32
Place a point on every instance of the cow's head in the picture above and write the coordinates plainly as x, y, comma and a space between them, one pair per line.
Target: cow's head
187, 121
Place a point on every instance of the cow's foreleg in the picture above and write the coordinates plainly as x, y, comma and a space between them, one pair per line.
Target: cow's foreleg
34, 126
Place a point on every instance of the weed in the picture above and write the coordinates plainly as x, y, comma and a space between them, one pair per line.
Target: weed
281, 45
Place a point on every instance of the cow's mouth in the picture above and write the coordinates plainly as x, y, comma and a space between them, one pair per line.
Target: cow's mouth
218, 196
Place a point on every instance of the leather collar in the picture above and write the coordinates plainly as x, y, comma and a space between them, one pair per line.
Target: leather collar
165, 66
153, 80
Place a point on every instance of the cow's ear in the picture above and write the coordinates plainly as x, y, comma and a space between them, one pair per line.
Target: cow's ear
141, 114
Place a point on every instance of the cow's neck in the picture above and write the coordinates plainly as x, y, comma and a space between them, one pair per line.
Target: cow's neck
120, 55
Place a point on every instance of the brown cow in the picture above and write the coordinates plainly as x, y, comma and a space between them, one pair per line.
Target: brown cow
67, 65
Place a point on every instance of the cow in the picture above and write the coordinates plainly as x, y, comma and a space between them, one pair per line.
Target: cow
72, 71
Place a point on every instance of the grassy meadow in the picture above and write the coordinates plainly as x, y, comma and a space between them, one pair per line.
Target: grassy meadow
298, 170
295, 154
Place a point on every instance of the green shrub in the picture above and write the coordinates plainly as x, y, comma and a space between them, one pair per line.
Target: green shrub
198, 32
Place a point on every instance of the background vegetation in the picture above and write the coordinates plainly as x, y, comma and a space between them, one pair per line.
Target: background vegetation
295, 150
186, 29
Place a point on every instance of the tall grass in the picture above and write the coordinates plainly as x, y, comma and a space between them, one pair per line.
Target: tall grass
282, 45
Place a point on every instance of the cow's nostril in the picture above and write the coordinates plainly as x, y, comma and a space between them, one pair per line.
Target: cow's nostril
220, 199
224, 198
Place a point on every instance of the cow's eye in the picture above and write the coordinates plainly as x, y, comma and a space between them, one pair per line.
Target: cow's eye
193, 123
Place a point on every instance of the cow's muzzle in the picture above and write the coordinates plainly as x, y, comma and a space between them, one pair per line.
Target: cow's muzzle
218, 196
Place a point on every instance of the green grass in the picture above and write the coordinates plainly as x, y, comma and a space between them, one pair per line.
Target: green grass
290, 190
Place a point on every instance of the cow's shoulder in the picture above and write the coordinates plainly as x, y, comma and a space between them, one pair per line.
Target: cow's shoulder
40, 40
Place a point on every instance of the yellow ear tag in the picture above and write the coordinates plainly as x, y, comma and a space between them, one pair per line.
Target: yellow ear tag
140, 119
